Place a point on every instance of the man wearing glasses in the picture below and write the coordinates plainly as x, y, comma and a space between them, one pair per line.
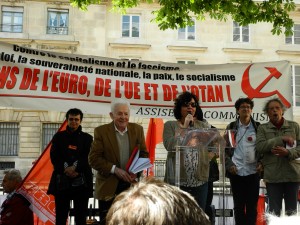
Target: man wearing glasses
242, 167
72, 178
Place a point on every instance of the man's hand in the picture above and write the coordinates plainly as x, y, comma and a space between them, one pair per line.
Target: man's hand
123, 175
259, 167
288, 140
233, 170
70, 171
280, 151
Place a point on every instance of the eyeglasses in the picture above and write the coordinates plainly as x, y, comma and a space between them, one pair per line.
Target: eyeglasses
245, 107
275, 108
74, 119
192, 104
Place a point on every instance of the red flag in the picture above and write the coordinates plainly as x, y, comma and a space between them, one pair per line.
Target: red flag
260, 220
154, 137
35, 185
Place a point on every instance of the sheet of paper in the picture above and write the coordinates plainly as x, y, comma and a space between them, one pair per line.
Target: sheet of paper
139, 164
290, 147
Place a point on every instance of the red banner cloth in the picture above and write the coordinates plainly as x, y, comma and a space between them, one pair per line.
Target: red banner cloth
261, 211
154, 137
35, 185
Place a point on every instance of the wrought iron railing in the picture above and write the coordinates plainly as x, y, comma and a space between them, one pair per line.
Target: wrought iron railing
57, 30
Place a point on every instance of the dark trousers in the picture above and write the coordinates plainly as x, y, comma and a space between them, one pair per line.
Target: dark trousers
245, 192
105, 205
63, 204
278, 191
199, 193
208, 207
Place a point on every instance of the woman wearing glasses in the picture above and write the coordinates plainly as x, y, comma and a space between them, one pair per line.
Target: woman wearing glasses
194, 166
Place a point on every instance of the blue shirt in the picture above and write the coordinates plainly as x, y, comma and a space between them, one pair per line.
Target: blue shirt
244, 153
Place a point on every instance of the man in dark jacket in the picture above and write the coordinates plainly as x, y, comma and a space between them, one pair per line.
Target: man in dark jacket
72, 178
15, 209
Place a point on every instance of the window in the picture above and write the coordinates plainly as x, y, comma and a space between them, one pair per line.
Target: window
187, 33
49, 129
186, 62
130, 26
7, 165
240, 33
12, 19
296, 85
58, 20
9, 139
295, 38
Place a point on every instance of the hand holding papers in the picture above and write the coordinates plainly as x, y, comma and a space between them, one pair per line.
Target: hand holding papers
136, 164
293, 146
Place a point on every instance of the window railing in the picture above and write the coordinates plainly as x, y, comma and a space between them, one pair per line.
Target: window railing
9, 138
57, 30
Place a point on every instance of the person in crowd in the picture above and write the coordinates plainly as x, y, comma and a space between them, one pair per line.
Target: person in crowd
72, 177
15, 209
110, 152
193, 176
155, 202
278, 142
242, 165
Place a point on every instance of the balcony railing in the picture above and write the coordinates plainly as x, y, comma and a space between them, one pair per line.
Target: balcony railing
57, 30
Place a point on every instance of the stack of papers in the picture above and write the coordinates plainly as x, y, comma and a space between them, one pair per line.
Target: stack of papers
136, 164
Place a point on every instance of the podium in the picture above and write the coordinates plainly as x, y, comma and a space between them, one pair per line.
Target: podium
189, 159
188, 162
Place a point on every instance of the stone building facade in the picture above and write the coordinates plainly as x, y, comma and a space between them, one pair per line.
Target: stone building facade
54, 25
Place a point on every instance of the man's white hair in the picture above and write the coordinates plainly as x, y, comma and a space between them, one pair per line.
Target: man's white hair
118, 101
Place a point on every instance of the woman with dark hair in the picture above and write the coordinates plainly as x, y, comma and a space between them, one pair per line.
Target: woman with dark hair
194, 176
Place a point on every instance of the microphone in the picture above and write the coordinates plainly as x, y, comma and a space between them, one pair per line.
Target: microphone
191, 124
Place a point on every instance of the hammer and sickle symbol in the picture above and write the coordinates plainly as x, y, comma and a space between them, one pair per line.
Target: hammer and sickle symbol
256, 92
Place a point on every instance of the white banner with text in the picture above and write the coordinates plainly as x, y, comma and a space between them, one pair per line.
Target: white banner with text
41, 80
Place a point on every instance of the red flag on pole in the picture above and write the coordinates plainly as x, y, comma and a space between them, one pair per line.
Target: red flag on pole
154, 137
261, 211
35, 185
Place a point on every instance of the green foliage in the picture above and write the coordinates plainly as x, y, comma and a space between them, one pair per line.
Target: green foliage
174, 14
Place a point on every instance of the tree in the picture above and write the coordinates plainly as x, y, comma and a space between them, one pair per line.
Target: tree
176, 14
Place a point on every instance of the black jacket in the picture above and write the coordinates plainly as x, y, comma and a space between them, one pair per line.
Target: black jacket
69, 147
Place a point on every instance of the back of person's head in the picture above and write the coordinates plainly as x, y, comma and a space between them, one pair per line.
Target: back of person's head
153, 202
283, 220
74, 112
